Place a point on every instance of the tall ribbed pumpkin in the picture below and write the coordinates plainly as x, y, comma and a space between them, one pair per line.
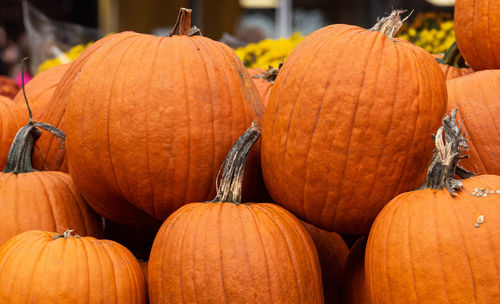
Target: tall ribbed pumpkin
346, 125
46, 267
150, 119
430, 246
477, 29
223, 251
477, 98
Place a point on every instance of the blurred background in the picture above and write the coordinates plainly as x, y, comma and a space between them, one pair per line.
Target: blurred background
61, 29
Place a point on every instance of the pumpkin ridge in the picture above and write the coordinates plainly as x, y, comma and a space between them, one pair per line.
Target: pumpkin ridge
36, 176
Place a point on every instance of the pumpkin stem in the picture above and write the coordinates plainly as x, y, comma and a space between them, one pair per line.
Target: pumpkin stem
391, 24
270, 74
183, 24
453, 57
66, 235
233, 167
444, 165
19, 157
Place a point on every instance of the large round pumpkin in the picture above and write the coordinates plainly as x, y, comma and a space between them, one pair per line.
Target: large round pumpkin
39, 90
149, 120
430, 246
44, 267
347, 124
477, 30
223, 251
50, 155
476, 97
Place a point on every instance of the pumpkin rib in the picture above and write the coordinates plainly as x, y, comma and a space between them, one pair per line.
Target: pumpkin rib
198, 44
51, 202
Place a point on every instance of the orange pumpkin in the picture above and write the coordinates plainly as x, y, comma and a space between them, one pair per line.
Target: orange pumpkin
263, 80
475, 95
346, 125
49, 155
40, 89
332, 253
477, 31
44, 267
453, 64
430, 246
355, 291
8, 87
45, 200
224, 251
12, 118
151, 138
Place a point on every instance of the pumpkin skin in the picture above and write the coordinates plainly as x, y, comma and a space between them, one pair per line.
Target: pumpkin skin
54, 159
355, 291
347, 126
8, 87
13, 117
173, 107
39, 90
332, 253
451, 72
38, 269
246, 253
473, 96
263, 86
424, 247
477, 30
44, 200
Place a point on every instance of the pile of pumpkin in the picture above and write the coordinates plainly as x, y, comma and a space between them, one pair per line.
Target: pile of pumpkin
160, 138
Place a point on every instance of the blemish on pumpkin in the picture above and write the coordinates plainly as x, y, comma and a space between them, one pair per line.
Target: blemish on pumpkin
483, 192
479, 221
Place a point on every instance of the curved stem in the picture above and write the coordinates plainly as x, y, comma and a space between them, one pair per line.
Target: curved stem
444, 165
233, 167
183, 24
66, 235
24, 90
453, 57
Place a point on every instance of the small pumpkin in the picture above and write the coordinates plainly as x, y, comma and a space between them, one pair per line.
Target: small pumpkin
226, 251
263, 80
346, 125
332, 253
46, 267
477, 31
475, 96
8, 87
45, 200
439, 244
41, 88
453, 64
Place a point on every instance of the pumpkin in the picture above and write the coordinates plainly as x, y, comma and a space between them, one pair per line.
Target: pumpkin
439, 244
149, 120
332, 253
475, 95
345, 127
50, 155
45, 267
8, 87
12, 119
263, 80
355, 291
453, 64
477, 31
45, 200
40, 89
225, 251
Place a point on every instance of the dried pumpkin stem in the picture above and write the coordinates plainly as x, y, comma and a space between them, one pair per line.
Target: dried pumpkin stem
453, 57
270, 74
233, 167
66, 235
445, 161
391, 24
183, 24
